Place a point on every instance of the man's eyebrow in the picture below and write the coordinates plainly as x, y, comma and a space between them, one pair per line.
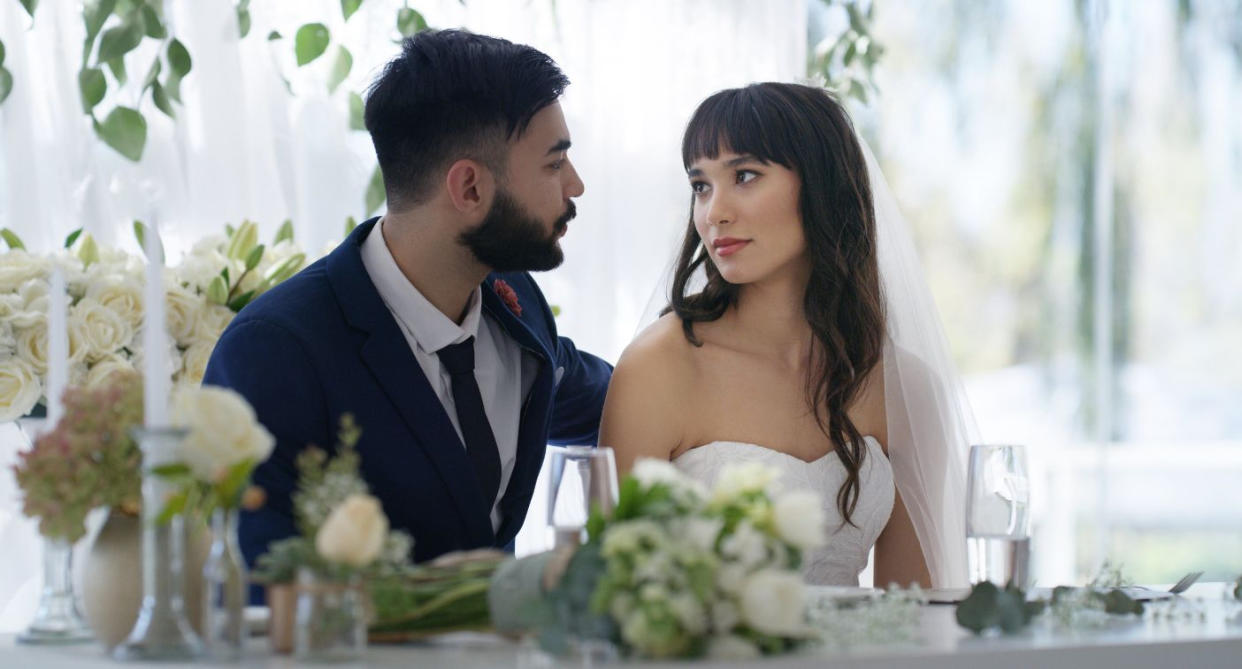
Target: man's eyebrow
560, 146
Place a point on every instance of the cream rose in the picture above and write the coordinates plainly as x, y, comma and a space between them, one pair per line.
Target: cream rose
194, 363
182, 308
31, 345
103, 330
773, 602
354, 532
222, 430
20, 388
741, 478
210, 324
17, 267
104, 370
121, 294
800, 520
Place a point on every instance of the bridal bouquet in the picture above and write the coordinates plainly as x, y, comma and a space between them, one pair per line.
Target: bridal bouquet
104, 286
676, 570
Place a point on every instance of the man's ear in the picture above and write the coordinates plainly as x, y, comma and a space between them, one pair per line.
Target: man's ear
470, 186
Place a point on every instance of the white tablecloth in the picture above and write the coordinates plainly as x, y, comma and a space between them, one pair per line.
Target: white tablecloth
1214, 641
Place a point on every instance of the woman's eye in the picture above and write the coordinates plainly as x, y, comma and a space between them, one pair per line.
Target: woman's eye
745, 176
698, 187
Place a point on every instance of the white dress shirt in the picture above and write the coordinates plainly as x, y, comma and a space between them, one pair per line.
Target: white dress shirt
497, 358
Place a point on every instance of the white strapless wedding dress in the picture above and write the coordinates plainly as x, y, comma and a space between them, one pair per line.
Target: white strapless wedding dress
845, 555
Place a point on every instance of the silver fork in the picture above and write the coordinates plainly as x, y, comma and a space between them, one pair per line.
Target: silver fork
1187, 581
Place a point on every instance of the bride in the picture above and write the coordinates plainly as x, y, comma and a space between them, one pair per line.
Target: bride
799, 334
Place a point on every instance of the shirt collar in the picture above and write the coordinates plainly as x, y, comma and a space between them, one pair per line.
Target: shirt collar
431, 329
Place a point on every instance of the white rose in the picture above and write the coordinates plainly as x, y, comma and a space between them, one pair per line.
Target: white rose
773, 602
30, 304
731, 647
194, 363
701, 532
20, 388
8, 343
223, 430
210, 324
18, 266
181, 311
800, 519
121, 294
746, 545
650, 471
104, 370
31, 346
104, 331
740, 478
354, 532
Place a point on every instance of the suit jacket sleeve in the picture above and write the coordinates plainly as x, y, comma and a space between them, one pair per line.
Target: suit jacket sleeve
268, 365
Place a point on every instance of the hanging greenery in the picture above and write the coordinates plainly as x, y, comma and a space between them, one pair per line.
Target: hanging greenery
846, 61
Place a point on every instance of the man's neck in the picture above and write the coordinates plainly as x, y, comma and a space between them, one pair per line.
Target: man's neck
432, 259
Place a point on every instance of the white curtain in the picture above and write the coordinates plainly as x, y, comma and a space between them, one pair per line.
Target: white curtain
243, 147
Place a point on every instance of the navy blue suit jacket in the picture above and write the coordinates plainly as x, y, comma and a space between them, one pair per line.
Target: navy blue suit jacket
323, 343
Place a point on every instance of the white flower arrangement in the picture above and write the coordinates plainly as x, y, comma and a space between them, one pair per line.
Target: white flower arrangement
104, 286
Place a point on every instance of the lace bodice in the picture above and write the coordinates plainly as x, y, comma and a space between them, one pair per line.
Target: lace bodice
845, 555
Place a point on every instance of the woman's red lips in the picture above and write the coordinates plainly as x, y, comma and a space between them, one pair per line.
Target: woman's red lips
726, 246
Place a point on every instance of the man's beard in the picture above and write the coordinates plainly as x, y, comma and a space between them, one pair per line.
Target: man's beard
511, 240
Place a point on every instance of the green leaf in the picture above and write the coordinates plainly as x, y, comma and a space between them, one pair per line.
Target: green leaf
979, 610
30, 6
284, 232
94, 14
118, 41
243, 20
152, 74
152, 25
229, 489
140, 233
11, 239
174, 506
239, 302
172, 470
179, 58
224, 273
73, 237
409, 22
125, 130
310, 42
2, 52
350, 224
287, 268
340, 68
217, 290
6, 84
357, 112
117, 65
274, 35
229, 230
375, 191
348, 7
254, 257
160, 97
172, 87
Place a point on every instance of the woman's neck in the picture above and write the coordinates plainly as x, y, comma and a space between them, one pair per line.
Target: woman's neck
770, 315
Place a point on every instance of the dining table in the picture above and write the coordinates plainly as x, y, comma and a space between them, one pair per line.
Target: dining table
1200, 628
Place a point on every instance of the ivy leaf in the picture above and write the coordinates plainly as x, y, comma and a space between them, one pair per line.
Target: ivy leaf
310, 42
348, 7
6, 84
375, 191
409, 22
73, 237
340, 69
178, 58
11, 239
117, 65
94, 14
125, 130
152, 24
30, 6
118, 41
357, 117
160, 97
92, 85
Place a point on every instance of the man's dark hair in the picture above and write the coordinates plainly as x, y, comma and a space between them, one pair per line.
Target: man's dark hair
450, 95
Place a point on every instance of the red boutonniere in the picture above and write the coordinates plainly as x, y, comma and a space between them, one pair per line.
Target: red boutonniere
508, 296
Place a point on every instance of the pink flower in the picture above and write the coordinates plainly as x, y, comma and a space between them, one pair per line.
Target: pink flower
508, 296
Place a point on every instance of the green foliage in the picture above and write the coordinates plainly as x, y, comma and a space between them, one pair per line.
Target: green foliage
989, 606
72, 237
410, 22
310, 42
243, 18
357, 111
125, 130
6, 77
847, 63
30, 6
284, 233
348, 7
140, 234
340, 68
14, 242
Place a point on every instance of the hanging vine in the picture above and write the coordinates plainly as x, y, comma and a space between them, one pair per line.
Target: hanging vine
846, 61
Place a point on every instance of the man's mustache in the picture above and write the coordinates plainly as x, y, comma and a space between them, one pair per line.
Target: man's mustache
570, 212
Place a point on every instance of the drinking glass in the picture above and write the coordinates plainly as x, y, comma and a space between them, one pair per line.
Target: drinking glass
583, 478
998, 515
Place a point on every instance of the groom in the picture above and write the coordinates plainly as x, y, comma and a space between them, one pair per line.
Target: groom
424, 323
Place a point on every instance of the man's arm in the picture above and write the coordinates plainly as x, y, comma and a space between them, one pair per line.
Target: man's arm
579, 399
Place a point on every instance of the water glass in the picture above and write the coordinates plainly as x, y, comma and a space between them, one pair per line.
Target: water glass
583, 478
330, 619
998, 515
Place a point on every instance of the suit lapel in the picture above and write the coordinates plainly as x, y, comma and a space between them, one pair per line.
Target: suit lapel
387, 354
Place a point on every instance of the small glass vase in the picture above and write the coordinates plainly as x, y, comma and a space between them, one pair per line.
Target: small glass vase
330, 619
224, 590
162, 631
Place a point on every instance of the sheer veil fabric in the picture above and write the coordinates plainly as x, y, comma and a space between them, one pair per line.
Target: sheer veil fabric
930, 425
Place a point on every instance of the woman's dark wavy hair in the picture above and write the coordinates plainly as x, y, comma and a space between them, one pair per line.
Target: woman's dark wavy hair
807, 131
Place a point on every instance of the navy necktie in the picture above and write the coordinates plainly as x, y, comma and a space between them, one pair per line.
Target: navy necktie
458, 359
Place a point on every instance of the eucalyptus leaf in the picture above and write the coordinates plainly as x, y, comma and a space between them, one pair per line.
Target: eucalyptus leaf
125, 130
92, 85
118, 41
117, 65
11, 239
73, 237
348, 7
340, 68
357, 112
30, 6
179, 58
375, 191
160, 97
153, 25
410, 22
6, 84
310, 42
